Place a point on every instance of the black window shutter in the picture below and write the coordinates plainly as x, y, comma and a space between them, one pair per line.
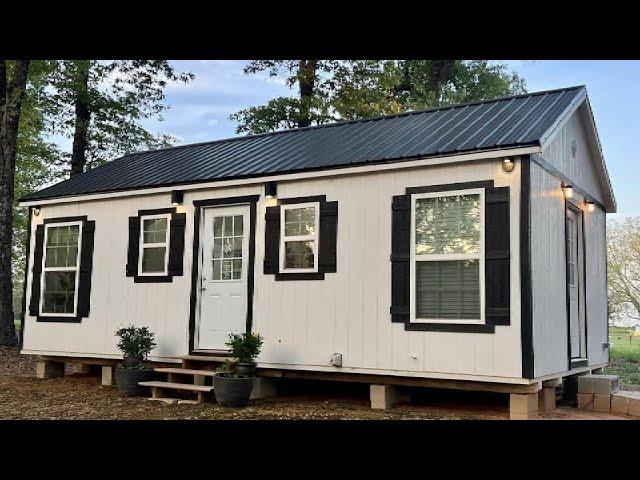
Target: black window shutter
497, 278
134, 245
400, 245
86, 266
272, 240
176, 243
34, 304
328, 237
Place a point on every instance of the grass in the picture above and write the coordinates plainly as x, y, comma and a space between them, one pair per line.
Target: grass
625, 357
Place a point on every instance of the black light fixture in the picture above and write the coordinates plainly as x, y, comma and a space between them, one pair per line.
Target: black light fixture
590, 205
507, 164
567, 190
271, 189
177, 197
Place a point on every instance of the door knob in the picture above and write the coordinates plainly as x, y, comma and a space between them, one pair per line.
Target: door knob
203, 288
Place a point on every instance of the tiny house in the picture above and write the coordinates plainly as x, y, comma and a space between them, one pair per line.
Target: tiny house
457, 246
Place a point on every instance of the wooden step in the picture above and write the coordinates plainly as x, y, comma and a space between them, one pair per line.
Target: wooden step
205, 358
170, 401
177, 386
185, 371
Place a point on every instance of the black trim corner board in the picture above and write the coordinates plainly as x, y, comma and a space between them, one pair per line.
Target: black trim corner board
328, 238
83, 300
252, 201
497, 259
526, 299
176, 246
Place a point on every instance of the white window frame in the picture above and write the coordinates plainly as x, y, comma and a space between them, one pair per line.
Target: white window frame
75, 269
142, 245
300, 238
447, 256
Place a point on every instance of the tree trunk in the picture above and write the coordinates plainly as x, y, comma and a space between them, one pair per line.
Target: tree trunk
442, 70
12, 93
306, 81
83, 117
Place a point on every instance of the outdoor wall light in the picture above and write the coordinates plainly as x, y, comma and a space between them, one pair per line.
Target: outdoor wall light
567, 190
271, 189
36, 211
590, 205
177, 197
507, 164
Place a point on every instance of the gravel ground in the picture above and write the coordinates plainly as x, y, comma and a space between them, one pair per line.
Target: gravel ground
80, 396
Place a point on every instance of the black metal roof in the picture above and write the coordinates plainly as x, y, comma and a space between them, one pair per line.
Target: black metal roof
493, 124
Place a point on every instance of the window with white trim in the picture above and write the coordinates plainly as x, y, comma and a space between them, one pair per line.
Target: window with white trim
60, 267
153, 259
447, 257
299, 235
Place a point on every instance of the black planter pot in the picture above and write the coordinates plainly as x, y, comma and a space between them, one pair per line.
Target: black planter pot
231, 391
247, 369
127, 381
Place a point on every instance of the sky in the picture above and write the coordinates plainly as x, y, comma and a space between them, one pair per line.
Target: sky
199, 110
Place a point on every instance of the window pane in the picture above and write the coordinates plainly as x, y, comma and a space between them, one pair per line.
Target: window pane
217, 227
448, 225
217, 265
228, 226
227, 247
59, 292
217, 248
448, 290
227, 268
154, 230
298, 255
237, 269
237, 225
299, 221
62, 246
153, 260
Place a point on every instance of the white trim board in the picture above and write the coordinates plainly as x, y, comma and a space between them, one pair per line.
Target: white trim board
378, 167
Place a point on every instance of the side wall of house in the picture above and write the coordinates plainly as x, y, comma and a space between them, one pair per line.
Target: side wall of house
548, 261
303, 322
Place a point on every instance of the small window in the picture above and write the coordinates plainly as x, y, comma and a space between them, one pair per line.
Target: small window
227, 247
61, 260
299, 228
448, 257
154, 245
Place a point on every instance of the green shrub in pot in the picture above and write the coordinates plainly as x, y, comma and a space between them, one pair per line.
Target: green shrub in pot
233, 381
136, 344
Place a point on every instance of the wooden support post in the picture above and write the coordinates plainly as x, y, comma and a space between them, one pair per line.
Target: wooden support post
547, 399
523, 406
84, 368
108, 376
383, 397
263, 388
49, 369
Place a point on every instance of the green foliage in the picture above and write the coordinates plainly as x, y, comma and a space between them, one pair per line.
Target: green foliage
245, 347
348, 90
120, 95
136, 342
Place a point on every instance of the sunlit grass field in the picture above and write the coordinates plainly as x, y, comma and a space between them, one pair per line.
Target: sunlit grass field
625, 357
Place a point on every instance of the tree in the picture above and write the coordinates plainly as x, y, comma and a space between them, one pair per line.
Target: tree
347, 90
623, 269
100, 104
13, 80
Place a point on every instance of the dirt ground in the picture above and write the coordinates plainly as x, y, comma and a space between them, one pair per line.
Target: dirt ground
80, 396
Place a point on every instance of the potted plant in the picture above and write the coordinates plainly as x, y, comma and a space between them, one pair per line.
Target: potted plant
135, 344
233, 381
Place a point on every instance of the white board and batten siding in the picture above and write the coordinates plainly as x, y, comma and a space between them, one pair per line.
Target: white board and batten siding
548, 251
303, 322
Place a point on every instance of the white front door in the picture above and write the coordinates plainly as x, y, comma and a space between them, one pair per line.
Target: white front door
224, 255
575, 285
